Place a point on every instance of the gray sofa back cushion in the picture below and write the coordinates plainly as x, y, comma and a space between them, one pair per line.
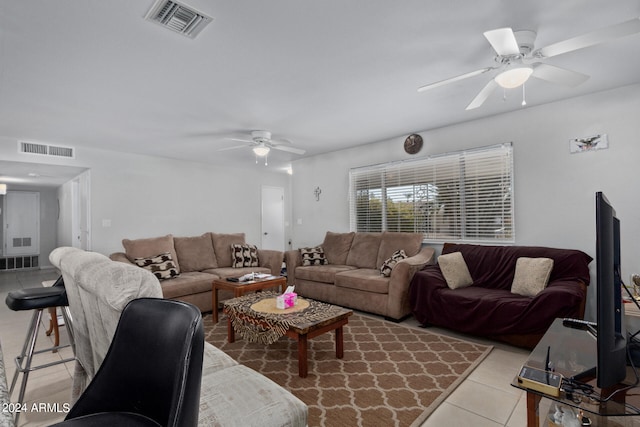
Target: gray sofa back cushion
222, 246
393, 241
146, 248
364, 250
195, 253
336, 247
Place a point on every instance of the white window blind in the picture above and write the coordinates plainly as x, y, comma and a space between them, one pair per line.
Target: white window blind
461, 196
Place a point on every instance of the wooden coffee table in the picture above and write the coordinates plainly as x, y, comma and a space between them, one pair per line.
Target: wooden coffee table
240, 288
302, 331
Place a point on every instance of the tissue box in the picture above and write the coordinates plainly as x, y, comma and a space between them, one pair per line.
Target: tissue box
286, 300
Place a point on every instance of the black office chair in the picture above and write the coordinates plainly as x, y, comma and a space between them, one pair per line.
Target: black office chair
152, 372
37, 299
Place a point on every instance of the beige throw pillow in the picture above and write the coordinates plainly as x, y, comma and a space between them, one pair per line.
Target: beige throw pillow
455, 270
532, 276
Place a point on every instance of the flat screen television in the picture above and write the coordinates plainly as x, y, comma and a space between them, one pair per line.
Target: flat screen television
611, 331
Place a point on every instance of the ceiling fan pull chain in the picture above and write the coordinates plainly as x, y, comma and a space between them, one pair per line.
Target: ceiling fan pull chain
504, 94
524, 101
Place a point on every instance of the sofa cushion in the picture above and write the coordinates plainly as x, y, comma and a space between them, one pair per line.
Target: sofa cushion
394, 241
363, 279
364, 250
162, 266
146, 248
244, 256
195, 253
222, 246
388, 264
531, 276
321, 273
313, 256
455, 271
336, 246
191, 283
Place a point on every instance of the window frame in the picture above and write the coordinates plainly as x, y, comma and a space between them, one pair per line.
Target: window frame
480, 193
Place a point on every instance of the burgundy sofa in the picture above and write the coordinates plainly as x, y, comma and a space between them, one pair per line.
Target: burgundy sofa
488, 308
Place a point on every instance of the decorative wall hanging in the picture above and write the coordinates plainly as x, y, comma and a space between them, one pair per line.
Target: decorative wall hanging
413, 143
316, 193
589, 143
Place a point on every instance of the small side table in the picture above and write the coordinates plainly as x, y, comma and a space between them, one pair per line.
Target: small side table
240, 288
54, 326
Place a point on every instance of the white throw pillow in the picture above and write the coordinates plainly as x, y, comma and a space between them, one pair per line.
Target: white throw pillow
532, 276
455, 270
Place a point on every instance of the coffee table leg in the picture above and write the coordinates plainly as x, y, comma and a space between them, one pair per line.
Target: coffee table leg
302, 356
339, 343
214, 303
231, 334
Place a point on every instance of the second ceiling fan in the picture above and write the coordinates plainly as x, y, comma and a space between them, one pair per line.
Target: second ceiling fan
517, 60
261, 144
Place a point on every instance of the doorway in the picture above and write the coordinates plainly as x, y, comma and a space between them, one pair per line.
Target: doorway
273, 218
21, 223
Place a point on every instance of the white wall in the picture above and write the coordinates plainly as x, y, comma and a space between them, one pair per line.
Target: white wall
145, 196
554, 190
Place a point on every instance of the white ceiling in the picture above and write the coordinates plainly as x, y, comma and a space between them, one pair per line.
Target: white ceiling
324, 74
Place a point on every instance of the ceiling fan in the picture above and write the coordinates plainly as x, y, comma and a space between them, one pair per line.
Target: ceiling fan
261, 144
517, 60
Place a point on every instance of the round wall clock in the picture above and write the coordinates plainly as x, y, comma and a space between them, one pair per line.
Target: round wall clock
413, 143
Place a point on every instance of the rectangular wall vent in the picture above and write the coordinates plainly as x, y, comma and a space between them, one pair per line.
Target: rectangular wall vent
46, 150
18, 262
178, 17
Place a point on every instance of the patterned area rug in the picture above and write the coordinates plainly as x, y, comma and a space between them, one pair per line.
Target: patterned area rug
391, 375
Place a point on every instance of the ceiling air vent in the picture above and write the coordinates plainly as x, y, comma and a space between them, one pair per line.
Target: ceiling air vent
46, 150
178, 17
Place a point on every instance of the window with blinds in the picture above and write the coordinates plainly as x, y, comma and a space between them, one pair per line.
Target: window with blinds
461, 196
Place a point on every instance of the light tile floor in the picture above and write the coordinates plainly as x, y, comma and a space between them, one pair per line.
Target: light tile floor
484, 399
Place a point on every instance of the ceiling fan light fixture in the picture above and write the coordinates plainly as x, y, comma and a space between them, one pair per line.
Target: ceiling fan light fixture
261, 150
513, 77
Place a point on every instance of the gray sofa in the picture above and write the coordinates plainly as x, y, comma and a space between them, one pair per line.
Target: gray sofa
198, 260
231, 394
351, 276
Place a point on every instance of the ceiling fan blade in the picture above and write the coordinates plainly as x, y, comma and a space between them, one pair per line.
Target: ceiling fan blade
558, 75
483, 95
454, 79
288, 149
240, 140
589, 39
280, 141
235, 147
503, 41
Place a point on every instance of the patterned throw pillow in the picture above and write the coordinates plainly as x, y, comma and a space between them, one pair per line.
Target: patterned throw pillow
313, 256
244, 256
388, 265
162, 266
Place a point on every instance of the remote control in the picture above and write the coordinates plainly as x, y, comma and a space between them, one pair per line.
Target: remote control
578, 323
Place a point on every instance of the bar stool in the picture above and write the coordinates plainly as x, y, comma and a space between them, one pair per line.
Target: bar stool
37, 299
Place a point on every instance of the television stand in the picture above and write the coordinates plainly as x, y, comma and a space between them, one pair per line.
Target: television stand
572, 353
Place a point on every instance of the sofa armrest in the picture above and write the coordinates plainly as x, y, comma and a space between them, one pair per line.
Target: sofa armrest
568, 297
398, 303
292, 259
120, 257
271, 259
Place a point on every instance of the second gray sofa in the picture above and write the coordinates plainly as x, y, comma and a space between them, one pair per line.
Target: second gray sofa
351, 275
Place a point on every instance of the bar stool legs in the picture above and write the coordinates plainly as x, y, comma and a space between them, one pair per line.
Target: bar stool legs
25, 359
